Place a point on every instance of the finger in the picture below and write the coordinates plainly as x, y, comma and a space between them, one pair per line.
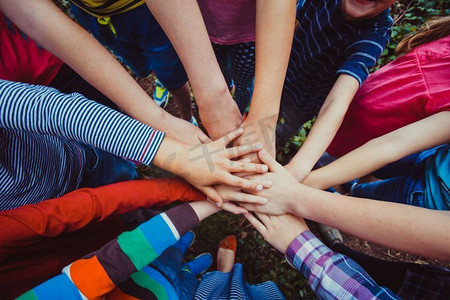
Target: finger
240, 196
264, 218
256, 223
265, 183
212, 195
269, 161
242, 167
239, 151
233, 208
226, 139
242, 183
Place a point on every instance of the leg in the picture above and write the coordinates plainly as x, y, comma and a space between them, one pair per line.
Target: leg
222, 53
243, 71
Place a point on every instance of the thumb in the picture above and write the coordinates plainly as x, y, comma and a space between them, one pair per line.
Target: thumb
267, 159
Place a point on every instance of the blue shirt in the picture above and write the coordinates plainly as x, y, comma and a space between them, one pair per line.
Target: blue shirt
437, 179
326, 45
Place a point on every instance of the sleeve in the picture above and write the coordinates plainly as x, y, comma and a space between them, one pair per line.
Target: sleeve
94, 276
366, 48
75, 210
332, 275
47, 111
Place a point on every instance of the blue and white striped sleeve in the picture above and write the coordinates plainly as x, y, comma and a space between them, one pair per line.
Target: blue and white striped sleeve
332, 275
47, 111
366, 48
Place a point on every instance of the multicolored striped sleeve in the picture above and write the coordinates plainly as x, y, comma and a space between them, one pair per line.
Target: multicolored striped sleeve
367, 47
114, 263
47, 111
332, 275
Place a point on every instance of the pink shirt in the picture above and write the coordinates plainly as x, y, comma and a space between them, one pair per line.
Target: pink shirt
23, 60
412, 87
229, 21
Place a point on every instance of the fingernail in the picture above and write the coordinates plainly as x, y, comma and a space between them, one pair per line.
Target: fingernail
246, 160
218, 204
239, 130
259, 187
263, 152
258, 146
269, 183
265, 201
265, 168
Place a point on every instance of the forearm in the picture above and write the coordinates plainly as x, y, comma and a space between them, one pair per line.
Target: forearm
407, 228
49, 27
381, 151
325, 127
275, 22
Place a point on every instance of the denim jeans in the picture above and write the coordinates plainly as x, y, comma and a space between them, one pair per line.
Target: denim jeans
405, 181
102, 168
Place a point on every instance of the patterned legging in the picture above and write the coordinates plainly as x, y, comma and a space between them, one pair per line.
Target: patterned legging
237, 63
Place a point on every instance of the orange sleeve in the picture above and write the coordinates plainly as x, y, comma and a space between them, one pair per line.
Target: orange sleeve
76, 209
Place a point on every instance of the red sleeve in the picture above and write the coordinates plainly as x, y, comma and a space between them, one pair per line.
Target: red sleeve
76, 209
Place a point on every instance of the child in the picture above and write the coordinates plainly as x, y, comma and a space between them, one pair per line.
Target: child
335, 45
40, 125
392, 117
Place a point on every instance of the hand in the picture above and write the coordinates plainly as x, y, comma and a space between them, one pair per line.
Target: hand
182, 276
279, 231
206, 165
281, 194
259, 131
221, 118
231, 194
185, 132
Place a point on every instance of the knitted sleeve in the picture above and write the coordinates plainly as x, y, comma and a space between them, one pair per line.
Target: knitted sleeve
94, 276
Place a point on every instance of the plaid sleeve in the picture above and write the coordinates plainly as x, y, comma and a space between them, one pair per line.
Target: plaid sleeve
332, 275
114, 263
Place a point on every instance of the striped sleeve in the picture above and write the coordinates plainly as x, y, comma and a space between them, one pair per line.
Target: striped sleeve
332, 275
115, 262
366, 48
46, 111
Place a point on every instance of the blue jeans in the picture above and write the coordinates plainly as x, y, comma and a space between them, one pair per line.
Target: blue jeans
102, 168
404, 183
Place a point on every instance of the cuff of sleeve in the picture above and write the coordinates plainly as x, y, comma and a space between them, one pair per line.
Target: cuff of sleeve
151, 147
296, 245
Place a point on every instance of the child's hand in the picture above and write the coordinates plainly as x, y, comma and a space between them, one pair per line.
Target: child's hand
209, 164
281, 194
279, 231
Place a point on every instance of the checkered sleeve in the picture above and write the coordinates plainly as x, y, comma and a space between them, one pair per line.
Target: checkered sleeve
332, 275
99, 273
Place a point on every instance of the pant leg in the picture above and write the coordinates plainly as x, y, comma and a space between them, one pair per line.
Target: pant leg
104, 168
392, 190
222, 53
243, 72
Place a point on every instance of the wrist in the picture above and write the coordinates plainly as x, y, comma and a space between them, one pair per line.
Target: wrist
172, 156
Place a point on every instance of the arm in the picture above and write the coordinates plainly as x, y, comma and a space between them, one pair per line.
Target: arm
325, 127
408, 228
183, 24
101, 271
30, 222
331, 275
52, 29
275, 21
44, 110
388, 148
